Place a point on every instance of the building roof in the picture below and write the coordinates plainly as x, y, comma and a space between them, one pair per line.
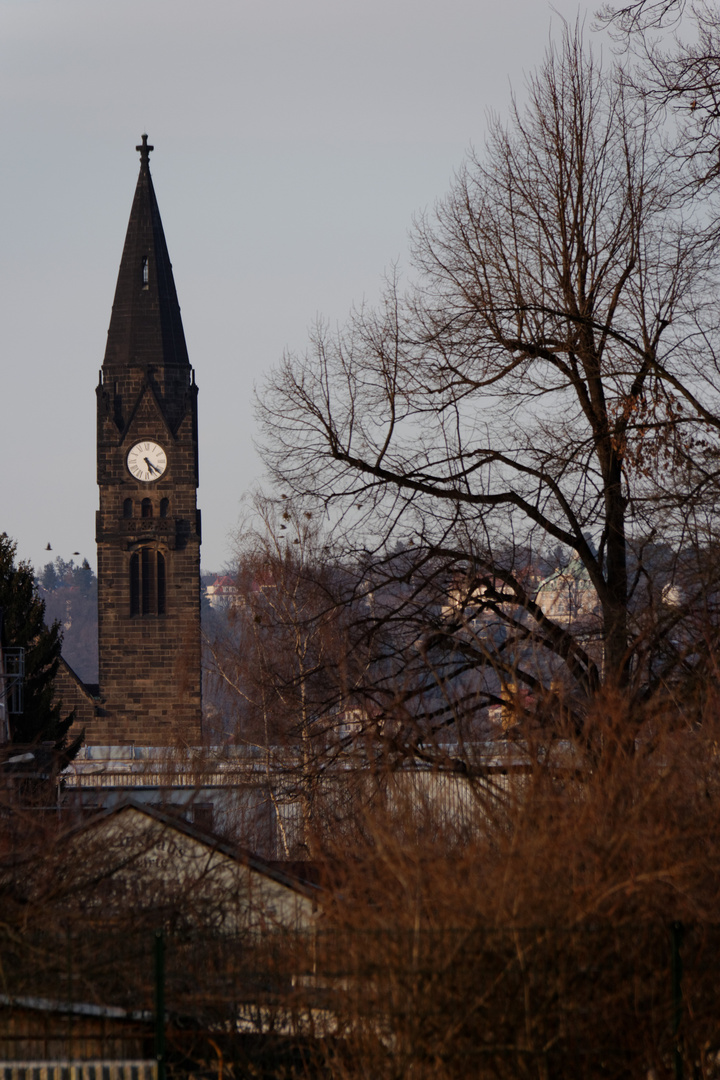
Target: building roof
178, 825
575, 572
225, 581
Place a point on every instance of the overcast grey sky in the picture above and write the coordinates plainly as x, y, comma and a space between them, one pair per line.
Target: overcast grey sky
294, 140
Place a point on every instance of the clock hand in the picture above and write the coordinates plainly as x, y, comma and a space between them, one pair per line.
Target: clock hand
150, 465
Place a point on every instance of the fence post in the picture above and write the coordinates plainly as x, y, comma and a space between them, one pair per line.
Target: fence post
676, 930
70, 990
160, 1003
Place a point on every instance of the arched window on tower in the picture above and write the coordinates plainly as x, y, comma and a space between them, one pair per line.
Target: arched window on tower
148, 562
147, 509
147, 582
164, 507
160, 583
135, 584
145, 272
128, 508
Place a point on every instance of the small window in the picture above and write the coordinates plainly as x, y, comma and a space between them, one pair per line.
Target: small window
145, 272
164, 507
147, 510
128, 508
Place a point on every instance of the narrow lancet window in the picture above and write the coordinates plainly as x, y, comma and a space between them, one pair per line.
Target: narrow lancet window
145, 272
147, 563
164, 507
128, 508
147, 510
148, 582
135, 584
160, 584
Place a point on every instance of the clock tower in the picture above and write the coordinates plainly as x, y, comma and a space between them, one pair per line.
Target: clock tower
148, 524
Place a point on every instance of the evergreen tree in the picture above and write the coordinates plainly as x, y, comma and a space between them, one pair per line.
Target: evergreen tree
24, 627
49, 579
84, 578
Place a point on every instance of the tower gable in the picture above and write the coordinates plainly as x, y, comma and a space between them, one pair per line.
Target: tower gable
147, 417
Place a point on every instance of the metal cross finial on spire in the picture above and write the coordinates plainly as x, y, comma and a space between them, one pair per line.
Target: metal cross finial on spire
144, 150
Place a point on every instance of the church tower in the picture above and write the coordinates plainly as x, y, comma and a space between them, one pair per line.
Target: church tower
148, 524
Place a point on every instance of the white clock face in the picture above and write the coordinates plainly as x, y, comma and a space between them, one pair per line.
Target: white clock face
147, 461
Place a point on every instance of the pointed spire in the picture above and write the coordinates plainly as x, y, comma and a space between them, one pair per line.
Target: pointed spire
145, 326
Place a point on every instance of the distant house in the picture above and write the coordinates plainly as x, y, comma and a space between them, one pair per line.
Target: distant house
223, 593
568, 595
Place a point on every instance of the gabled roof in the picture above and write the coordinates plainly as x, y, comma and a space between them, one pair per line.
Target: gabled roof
212, 843
90, 691
145, 325
224, 581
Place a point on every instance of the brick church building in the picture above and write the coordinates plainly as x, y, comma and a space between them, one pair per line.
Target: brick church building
148, 524
143, 733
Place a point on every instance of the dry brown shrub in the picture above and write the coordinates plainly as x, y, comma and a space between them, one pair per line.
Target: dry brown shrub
540, 932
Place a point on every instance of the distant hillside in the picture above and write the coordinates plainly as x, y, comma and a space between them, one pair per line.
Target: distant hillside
71, 597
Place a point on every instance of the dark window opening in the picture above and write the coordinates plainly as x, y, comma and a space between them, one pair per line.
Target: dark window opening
128, 508
164, 507
145, 272
160, 584
135, 584
148, 582
203, 816
147, 510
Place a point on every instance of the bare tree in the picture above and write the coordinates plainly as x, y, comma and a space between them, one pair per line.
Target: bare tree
288, 664
678, 75
546, 390
641, 15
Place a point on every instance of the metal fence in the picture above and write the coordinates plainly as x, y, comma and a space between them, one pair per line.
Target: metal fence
79, 1070
595, 1000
